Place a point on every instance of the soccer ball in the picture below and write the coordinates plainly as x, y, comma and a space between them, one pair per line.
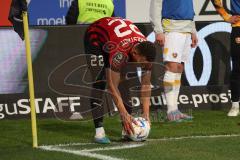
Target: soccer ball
141, 130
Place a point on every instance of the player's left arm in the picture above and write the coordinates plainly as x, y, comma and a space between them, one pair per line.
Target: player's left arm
113, 79
146, 93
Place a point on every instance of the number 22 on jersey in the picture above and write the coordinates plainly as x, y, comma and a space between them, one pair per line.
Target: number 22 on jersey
122, 29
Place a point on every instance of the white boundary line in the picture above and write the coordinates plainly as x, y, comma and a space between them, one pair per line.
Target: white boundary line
67, 144
90, 152
115, 147
194, 137
80, 153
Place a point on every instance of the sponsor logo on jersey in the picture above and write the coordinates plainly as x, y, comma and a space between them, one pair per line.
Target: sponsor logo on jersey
118, 58
174, 55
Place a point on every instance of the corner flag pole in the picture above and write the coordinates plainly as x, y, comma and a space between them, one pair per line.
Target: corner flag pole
30, 79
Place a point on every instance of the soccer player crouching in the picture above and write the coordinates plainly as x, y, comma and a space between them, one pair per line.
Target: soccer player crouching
114, 42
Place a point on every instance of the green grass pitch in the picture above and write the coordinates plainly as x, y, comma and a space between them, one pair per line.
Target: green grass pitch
16, 141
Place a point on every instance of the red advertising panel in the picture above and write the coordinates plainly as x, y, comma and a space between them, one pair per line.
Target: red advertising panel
4, 10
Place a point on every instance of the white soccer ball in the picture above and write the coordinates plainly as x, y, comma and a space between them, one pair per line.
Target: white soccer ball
141, 130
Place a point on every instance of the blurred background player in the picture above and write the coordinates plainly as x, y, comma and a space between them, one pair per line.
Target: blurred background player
88, 11
175, 30
234, 19
112, 43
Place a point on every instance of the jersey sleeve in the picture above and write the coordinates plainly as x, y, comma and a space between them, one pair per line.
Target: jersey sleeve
220, 9
155, 15
117, 61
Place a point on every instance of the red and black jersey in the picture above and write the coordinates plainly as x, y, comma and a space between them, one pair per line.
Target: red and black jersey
116, 37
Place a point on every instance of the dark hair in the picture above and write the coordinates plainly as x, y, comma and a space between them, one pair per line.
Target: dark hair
147, 49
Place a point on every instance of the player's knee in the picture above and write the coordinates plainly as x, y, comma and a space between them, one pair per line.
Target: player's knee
180, 68
172, 67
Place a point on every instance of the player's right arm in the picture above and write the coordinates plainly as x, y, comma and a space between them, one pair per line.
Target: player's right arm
156, 20
113, 79
220, 9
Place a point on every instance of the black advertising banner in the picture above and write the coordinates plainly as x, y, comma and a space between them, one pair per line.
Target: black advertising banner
63, 82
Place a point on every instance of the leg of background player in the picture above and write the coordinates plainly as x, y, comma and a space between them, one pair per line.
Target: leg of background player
168, 83
235, 74
172, 87
175, 51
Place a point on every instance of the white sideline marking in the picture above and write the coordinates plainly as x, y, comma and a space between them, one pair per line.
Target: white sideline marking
114, 148
89, 152
79, 153
194, 137
67, 144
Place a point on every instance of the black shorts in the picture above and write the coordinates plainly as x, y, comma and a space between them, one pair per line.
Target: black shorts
96, 56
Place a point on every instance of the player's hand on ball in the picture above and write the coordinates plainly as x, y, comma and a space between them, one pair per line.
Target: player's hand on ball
127, 123
146, 116
141, 130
